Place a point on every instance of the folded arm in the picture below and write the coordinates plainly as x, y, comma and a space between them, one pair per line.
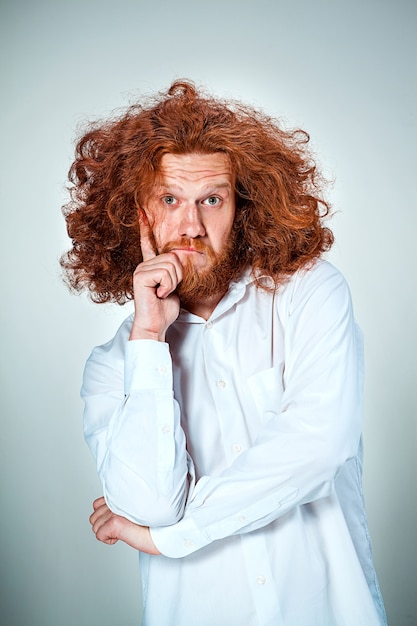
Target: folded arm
305, 440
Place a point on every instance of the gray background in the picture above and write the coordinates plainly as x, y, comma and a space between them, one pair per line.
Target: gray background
345, 71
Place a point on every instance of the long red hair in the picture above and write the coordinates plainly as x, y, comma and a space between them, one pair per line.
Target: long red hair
279, 201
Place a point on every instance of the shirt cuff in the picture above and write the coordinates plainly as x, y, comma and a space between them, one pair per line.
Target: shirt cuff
148, 366
180, 539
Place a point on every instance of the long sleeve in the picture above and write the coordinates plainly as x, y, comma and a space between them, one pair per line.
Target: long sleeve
311, 414
132, 426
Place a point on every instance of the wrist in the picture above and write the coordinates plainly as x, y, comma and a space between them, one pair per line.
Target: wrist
137, 537
138, 333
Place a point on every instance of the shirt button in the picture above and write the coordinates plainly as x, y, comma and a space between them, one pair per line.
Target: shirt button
209, 325
221, 384
237, 448
188, 543
162, 369
242, 518
261, 580
166, 429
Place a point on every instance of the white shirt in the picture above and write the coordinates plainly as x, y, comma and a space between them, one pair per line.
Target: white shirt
239, 443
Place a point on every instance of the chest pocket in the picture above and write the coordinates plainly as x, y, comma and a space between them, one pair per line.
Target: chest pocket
266, 388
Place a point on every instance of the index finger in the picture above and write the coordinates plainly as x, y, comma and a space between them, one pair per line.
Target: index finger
147, 242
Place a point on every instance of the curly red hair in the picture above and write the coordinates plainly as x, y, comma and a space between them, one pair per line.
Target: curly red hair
279, 201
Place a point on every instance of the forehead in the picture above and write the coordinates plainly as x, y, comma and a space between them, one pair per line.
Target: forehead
195, 168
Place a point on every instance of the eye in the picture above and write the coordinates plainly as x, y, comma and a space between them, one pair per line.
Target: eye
212, 201
169, 200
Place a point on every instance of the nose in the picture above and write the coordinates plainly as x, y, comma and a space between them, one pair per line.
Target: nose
191, 224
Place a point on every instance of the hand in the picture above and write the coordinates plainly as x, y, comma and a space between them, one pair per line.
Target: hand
154, 283
109, 528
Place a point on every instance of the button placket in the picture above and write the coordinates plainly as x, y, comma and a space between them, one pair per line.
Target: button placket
258, 567
225, 395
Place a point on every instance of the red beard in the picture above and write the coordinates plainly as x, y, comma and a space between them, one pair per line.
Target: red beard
212, 282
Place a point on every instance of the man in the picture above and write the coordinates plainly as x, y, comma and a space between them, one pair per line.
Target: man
225, 415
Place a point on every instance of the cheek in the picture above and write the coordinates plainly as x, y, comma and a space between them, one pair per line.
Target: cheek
219, 241
224, 232
165, 231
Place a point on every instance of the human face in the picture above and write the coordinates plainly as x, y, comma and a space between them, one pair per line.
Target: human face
191, 208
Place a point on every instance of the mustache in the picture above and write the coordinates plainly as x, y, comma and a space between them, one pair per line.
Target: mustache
185, 242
